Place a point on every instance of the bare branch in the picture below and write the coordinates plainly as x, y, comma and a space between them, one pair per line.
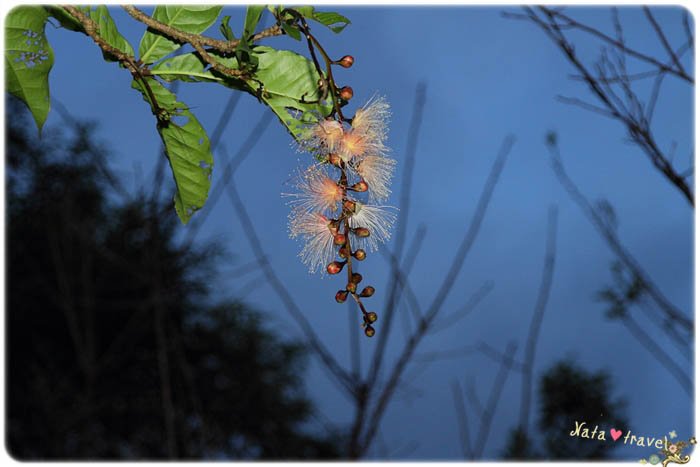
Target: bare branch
495, 396
537, 319
462, 422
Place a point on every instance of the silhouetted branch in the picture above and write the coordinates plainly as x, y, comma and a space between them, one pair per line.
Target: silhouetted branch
462, 421
537, 318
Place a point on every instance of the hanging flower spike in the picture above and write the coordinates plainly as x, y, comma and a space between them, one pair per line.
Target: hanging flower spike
318, 192
376, 220
377, 171
318, 233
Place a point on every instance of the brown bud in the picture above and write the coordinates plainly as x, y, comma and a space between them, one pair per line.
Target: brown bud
371, 317
360, 186
333, 227
369, 331
351, 287
345, 93
356, 278
346, 61
361, 232
335, 160
367, 291
339, 239
343, 252
349, 205
341, 296
360, 254
335, 267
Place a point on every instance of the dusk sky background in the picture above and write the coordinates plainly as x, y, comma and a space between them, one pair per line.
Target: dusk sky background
487, 77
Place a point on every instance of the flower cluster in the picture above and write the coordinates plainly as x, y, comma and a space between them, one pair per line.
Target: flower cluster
337, 208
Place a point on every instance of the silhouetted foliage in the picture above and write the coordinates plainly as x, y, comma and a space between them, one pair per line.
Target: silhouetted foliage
569, 394
116, 347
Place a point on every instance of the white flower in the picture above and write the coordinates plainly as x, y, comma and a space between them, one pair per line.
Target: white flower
314, 228
368, 133
377, 171
322, 137
318, 192
377, 219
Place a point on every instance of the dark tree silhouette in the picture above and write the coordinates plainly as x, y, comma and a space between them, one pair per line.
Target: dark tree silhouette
570, 394
116, 345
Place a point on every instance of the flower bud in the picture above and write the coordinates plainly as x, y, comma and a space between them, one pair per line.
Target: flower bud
356, 278
361, 232
360, 254
335, 267
343, 252
349, 206
345, 93
367, 291
341, 296
360, 186
351, 287
369, 331
335, 159
371, 317
339, 239
333, 226
346, 61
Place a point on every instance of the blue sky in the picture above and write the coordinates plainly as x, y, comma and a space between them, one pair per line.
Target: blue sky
487, 77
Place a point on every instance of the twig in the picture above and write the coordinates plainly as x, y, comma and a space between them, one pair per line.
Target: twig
537, 318
496, 391
462, 421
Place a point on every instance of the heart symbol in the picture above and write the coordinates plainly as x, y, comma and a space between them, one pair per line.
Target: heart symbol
615, 433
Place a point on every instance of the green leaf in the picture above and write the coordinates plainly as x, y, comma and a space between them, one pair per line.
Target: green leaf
186, 145
66, 19
282, 80
226, 30
186, 67
252, 18
194, 19
28, 59
334, 21
291, 31
108, 30
288, 78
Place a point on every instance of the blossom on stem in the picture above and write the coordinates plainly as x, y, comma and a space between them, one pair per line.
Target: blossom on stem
318, 192
318, 234
368, 132
377, 219
377, 171
322, 137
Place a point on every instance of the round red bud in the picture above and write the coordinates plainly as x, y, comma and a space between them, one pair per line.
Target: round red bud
360, 186
345, 93
351, 287
367, 291
339, 239
356, 278
346, 61
343, 252
361, 232
341, 296
360, 254
335, 267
